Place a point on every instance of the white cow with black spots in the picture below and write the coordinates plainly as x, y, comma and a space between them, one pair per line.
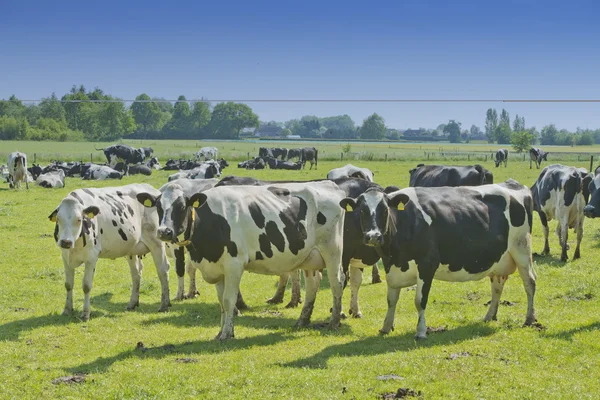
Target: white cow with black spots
17, 170
108, 223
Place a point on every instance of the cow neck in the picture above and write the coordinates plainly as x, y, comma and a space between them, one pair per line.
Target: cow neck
188, 230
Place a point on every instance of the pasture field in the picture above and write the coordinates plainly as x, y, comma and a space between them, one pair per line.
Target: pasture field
466, 359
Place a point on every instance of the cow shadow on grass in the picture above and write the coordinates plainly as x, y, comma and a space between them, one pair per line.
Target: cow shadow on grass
550, 260
11, 331
568, 334
406, 342
186, 349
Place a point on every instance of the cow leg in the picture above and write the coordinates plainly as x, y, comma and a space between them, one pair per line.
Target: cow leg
422, 294
162, 270
336, 283
220, 287
296, 295
375, 277
88, 277
278, 296
69, 282
233, 277
240, 303
563, 234
180, 270
497, 282
544, 222
356, 275
579, 230
312, 281
524, 263
191, 271
135, 268
393, 293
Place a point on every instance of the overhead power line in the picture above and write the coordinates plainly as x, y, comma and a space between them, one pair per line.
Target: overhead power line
333, 101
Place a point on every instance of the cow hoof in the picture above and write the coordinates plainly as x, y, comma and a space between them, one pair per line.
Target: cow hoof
385, 331
163, 309
131, 307
241, 305
530, 321
192, 295
85, 316
221, 336
292, 304
376, 279
577, 255
357, 315
301, 324
419, 338
274, 300
66, 312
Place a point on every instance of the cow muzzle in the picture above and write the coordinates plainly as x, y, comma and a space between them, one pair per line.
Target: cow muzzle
65, 244
373, 238
166, 234
589, 211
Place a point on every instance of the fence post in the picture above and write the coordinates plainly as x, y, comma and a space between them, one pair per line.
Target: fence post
486, 157
523, 156
591, 164
34, 157
468, 157
385, 156
91, 158
248, 155
342, 156
427, 156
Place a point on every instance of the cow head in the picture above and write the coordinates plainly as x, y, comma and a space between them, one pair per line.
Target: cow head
73, 221
544, 156
374, 207
592, 209
138, 156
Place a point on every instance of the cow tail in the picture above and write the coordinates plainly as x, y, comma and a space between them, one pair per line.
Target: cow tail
316, 157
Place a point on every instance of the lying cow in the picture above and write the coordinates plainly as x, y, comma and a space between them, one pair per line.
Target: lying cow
256, 163
35, 170
100, 173
501, 157
267, 230
108, 223
276, 164
124, 153
454, 234
537, 156
208, 170
54, 179
558, 194
350, 170
17, 170
153, 163
138, 169
447, 175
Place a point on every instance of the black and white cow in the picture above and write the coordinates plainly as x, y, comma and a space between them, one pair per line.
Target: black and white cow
108, 223
35, 170
268, 230
147, 152
448, 175
153, 163
501, 157
309, 154
274, 152
17, 170
592, 209
208, 153
294, 153
454, 234
54, 179
208, 170
558, 194
139, 169
100, 173
350, 170
256, 163
537, 155
123, 152
276, 164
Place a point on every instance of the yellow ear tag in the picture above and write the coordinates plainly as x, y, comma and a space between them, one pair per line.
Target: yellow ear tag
193, 215
196, 204
53, 218
148, 203
91, 215
400, 206
349, 208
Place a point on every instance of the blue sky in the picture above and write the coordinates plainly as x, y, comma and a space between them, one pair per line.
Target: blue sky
316, 50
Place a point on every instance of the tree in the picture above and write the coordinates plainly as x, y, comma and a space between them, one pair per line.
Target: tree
504, 118
147, 115
522, 140
373, 127
52, 108
228, 119
452, 129
200, 118
519, 123
549, 135
491, 123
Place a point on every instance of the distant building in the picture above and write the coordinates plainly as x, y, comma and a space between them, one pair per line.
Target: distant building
294, 137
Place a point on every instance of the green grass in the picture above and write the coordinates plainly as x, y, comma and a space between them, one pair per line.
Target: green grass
268, 359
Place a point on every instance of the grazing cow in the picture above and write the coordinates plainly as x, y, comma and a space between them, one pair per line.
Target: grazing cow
35, 170
537, 155
447, 175
147, 152
123, 152
139, 169
350, 170
557, 194
309, 154
501, 157
454, 234
54, 179
294, 153
276, 164
268, 230
108, 223
101, 172
17, 170
209, 153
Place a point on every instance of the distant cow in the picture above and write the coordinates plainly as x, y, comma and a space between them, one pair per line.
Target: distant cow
153, 163
54, 179
350, 170
139, 169
256, 163
124, 153
17, 170
207, 170
101, 172
558, 194
147, 152
35, 170
108, 223
501, 157
455, 234
275, 152
537, 155
294, 153
447, 175
309, 154
268, 230
592, 209
276, 164
208, 153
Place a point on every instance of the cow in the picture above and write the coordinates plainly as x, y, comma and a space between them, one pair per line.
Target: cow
147, 152
209, 153
256, 163
356, 255
268, 230
276, 164
123, 152
35, 170
153, 163
17, 170
207, 170
454, 234
501, 157
139, 169
100, 173
309, 154
4, 172
108, 223
537, 155
294, 153
558, 194
54, 179
350, 170
447, 175
592, 209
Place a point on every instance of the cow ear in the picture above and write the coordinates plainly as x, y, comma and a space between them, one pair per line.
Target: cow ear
146, 199
197, 200
91, 212
391, 189
398, 201
348, 204
52, 217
